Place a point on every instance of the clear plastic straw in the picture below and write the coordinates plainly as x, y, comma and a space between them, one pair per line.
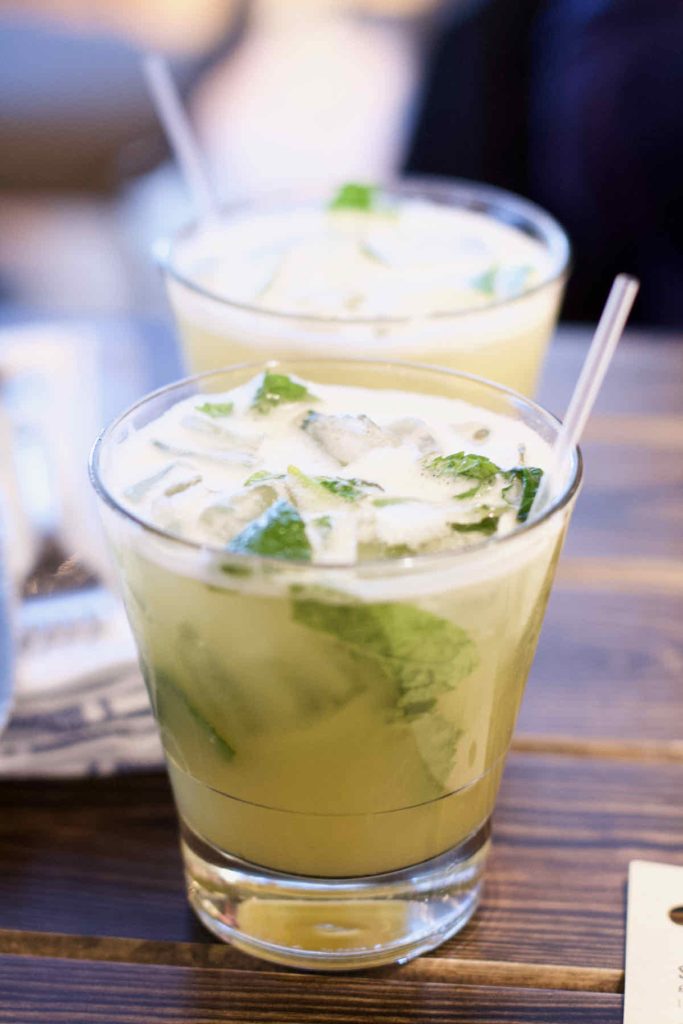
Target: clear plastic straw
609, 330
179, 133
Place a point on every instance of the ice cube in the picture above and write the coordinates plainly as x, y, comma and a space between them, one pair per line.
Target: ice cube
177, 512
333, 537
225, 517
346, 437
219, 434
169, 480
230, 458
411, 430
415, 524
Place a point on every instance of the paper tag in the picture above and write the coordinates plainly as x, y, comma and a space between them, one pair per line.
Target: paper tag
654, 944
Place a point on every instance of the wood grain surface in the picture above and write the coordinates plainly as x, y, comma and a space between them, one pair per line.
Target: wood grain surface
94, 925
564, 832
645, 377
609, 666
630, 503
67, 992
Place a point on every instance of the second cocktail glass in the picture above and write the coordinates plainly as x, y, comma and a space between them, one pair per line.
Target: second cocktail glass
501, 331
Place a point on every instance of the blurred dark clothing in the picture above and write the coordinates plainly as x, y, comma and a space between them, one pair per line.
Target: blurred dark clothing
577, 104
473, 118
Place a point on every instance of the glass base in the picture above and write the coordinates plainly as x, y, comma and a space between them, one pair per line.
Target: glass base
335, 924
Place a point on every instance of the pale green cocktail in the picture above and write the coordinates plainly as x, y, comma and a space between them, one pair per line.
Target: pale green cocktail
453, 274
335, 725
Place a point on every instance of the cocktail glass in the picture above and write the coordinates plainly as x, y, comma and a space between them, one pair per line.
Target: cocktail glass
504, 341
335, 735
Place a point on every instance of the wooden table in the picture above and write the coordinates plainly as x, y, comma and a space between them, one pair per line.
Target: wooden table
94, 926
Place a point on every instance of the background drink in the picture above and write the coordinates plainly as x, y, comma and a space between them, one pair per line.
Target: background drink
501, 338
286, 744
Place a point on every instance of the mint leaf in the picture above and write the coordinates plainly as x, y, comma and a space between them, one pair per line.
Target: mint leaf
166, 690
437, 740
480, 468
486, 282
371, 550
278, 533
235, 569
386, 502
277, 389
487, 525
349, 489
353, 196
475, 467
216, 409
262, 475
421, 654
473, 491
399, 551
345, 488
530, 478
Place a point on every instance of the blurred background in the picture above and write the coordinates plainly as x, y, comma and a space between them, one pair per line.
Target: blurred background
573, 103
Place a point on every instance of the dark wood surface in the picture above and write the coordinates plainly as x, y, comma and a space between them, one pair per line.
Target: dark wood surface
93, 920
609, 666
565, 829
80, 993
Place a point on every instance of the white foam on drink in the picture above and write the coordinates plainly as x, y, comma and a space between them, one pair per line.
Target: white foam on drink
281, 442
136, 472
419, 258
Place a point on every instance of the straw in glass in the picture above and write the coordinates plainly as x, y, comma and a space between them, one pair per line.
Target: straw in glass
180, 135
609, 330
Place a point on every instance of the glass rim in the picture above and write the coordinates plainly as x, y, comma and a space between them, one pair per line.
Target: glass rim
462, 190
406, 562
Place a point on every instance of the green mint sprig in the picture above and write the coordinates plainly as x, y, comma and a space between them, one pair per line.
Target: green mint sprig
473, 467
216, 409
278, 533
487, 525
353, 196
277, 389
422, 654
486, 282
261, 475
530, 479
169, 690
348, 489
484, 471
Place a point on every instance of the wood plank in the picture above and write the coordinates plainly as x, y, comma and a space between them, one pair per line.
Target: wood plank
631, 503
645, 378
564, 833
69, 992
665, 432
609, 666
102, 855
211, 954
625, 575
93, 857
619, 750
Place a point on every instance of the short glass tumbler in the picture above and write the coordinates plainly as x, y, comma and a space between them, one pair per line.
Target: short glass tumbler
505, 340
325, 823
